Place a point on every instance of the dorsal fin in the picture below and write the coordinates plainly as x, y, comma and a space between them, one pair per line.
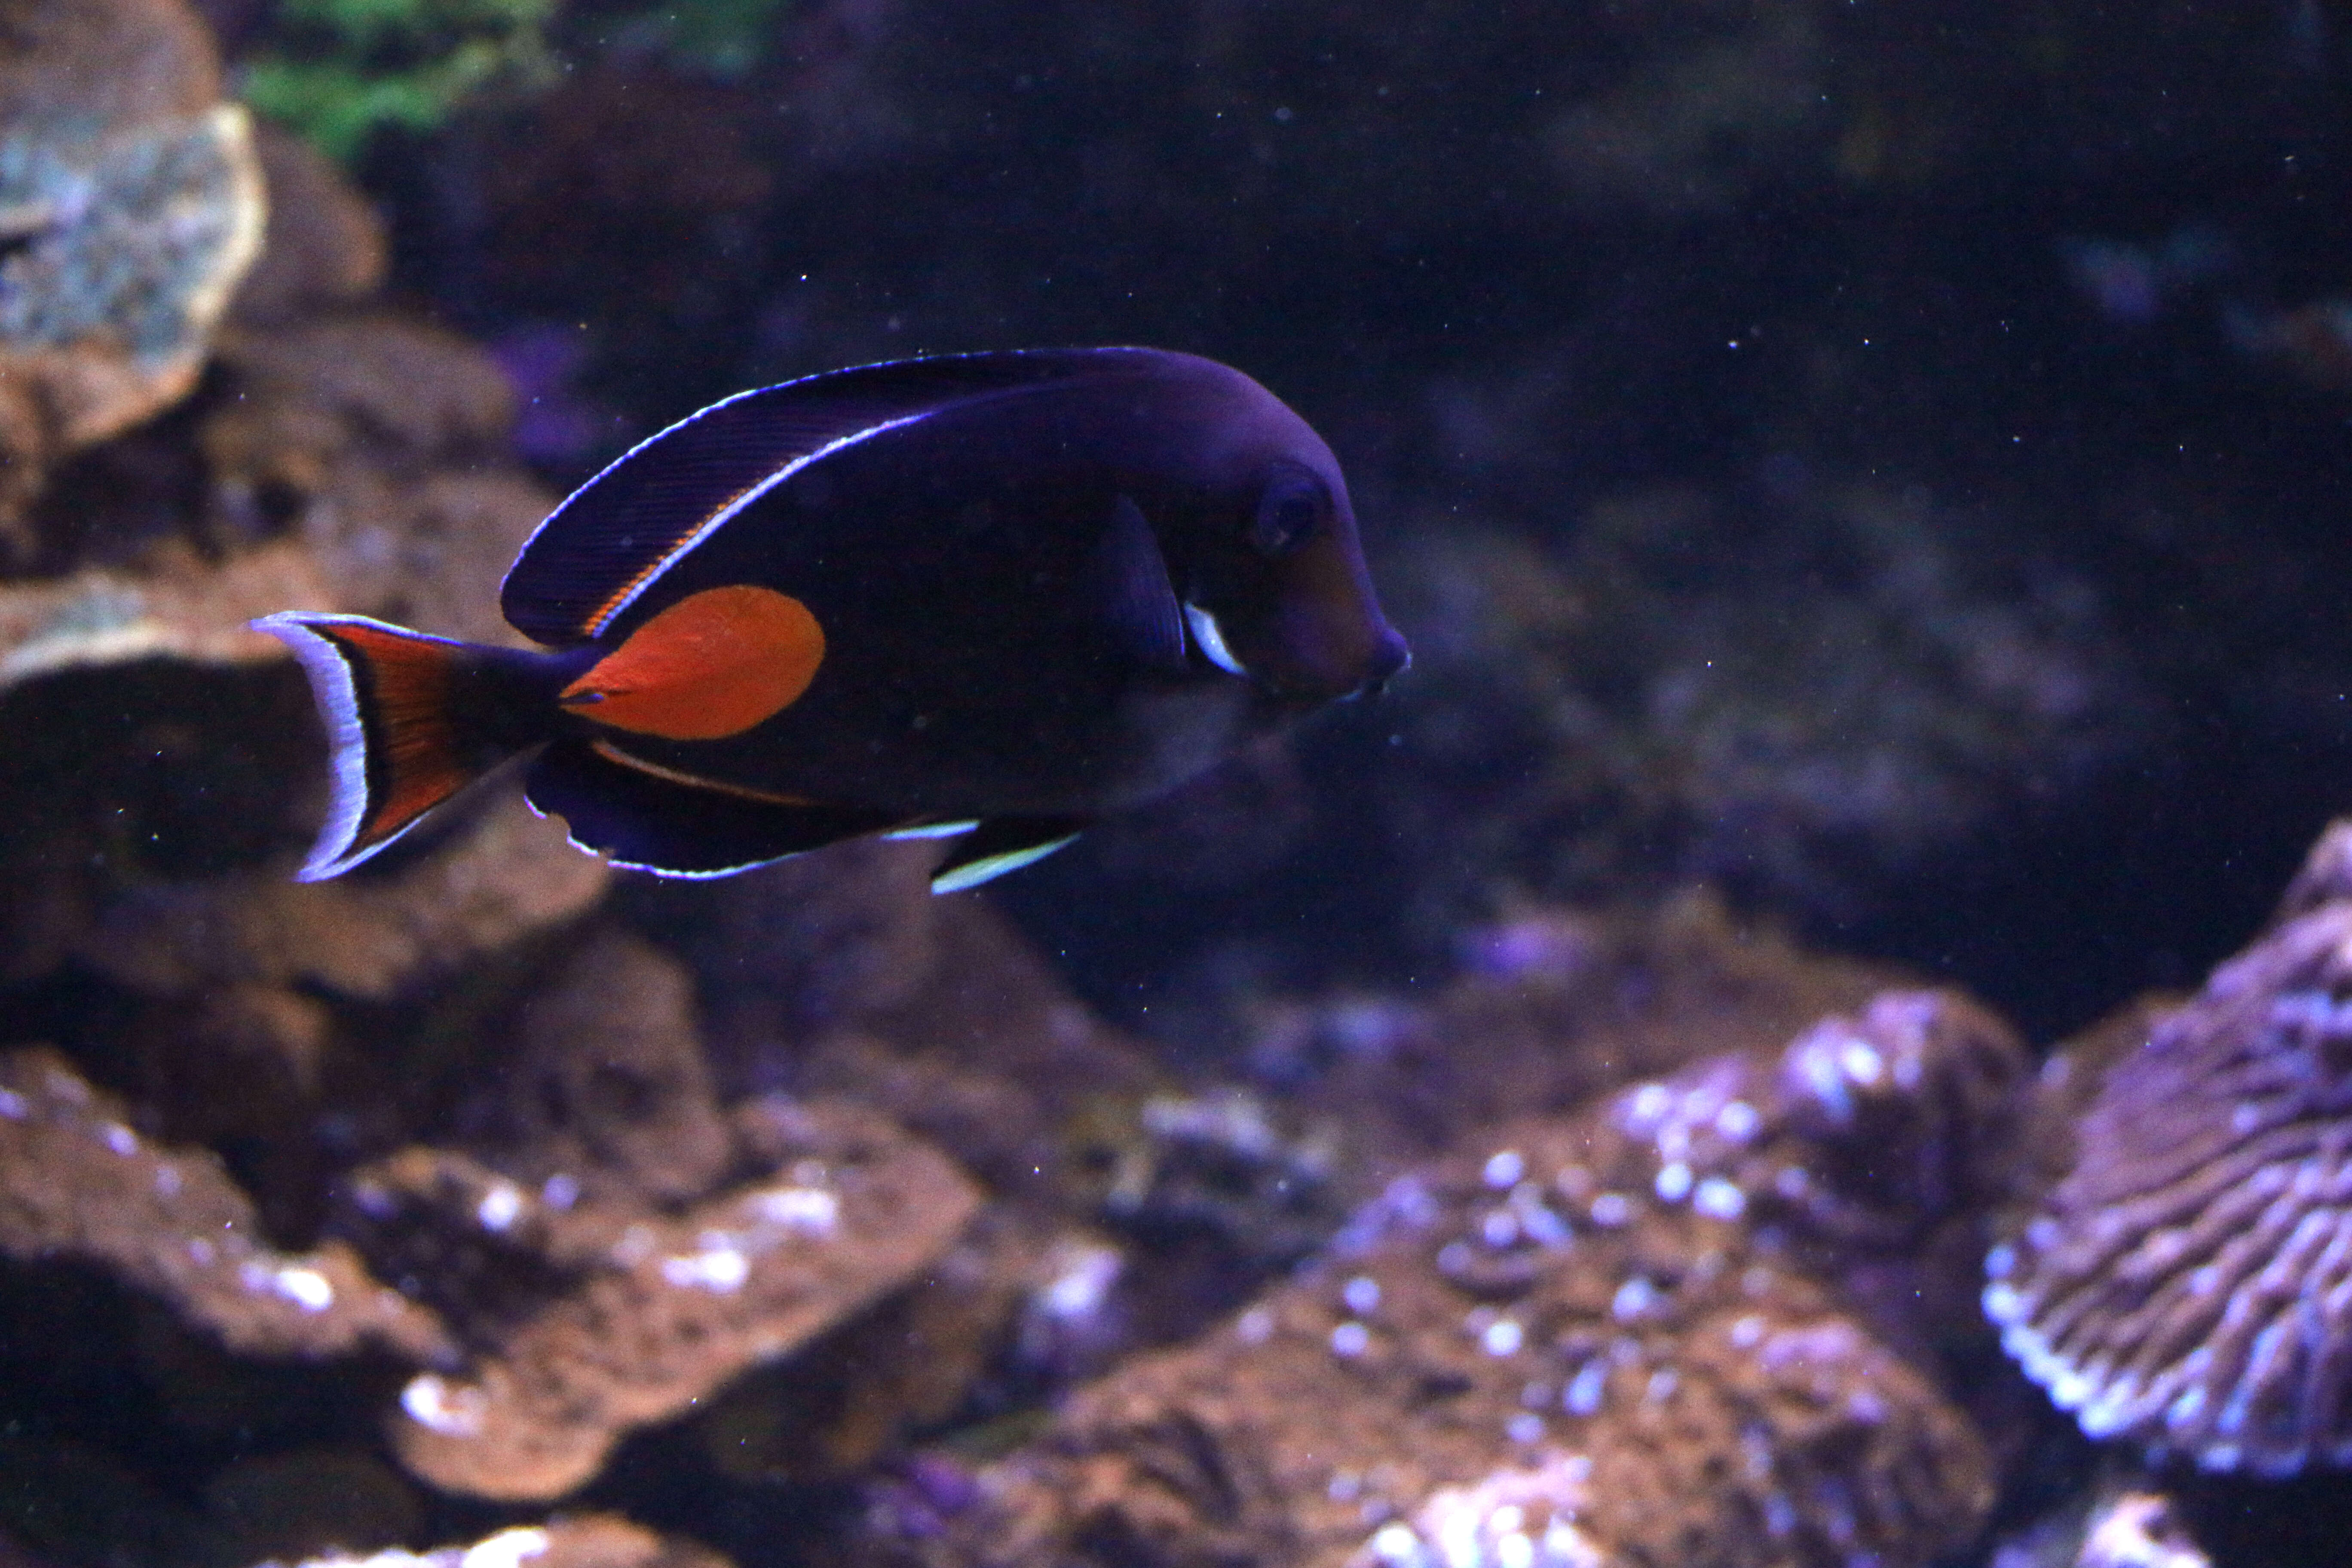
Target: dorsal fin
619, 531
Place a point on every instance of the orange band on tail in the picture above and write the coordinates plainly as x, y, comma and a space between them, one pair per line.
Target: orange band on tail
407, 702
712, 665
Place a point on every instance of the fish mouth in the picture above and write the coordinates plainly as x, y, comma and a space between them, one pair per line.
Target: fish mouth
1390, 658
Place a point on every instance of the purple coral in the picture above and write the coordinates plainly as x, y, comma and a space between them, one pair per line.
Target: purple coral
2188, 1283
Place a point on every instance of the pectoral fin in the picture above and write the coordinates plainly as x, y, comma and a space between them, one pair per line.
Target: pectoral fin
1130, 587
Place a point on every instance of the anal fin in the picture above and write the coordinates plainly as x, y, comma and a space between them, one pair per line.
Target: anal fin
647, 823
999, 845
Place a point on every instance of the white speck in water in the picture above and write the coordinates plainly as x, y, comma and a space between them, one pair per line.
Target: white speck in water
1498, 1228
1748, 1333
1524, 1427
1674, 1182
438, 1405
1611, 1209
812, 1211
1861, 1062
720, 1270
1396, 1545
1502, 1337
119, 1137
1255, 1326
500, 1208
1633, 1297
1078, 1291
1647, 1105
1504, 1169
1350, 1339
1362, 1295
1719, 1199
306, 1288
1738, 1121
559, 1191
1582, 1394
1544, 1227
508, 1549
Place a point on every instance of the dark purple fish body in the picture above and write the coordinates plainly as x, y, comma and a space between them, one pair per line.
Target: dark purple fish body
986, 596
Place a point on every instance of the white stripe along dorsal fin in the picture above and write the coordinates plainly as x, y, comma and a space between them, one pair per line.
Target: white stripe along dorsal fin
616, 534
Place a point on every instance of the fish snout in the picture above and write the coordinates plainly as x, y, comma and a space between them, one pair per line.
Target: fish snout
1392, 657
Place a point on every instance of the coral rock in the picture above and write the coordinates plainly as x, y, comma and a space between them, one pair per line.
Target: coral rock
592, 1319
195, 611
132, 204
606, 1082
578, 1541
2187, 1284
504, 874
1614, 1338
77, 1181
323, 245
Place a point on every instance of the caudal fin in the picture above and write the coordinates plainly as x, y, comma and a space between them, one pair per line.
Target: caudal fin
410, 720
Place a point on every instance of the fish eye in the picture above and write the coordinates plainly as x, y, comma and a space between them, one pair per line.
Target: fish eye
1288, 513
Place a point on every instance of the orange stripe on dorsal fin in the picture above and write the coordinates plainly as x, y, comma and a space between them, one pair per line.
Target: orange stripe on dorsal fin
712, 665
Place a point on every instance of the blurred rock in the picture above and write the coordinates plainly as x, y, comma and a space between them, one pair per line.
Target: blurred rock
501, 874
2138, 1530
1615, 1337
605, 1084
299, 1504
800, 947
2126, 1523
131, 203
76, 1504
1554, 1005
76, 1181
567, 1540
1801, 699
323, 245
859, 1395
587, 1315
991, 1057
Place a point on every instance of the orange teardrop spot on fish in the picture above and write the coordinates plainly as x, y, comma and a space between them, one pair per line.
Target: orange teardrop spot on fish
711, 666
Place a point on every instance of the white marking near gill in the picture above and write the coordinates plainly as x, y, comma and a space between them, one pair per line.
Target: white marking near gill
1211, 640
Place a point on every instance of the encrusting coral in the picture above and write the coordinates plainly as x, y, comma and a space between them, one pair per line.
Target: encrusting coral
77, 1181
2186, 1284
131, 203
1615, 1337
592, 1316
575, 1540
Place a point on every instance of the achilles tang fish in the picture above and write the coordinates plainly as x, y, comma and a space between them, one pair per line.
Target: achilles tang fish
985, 596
